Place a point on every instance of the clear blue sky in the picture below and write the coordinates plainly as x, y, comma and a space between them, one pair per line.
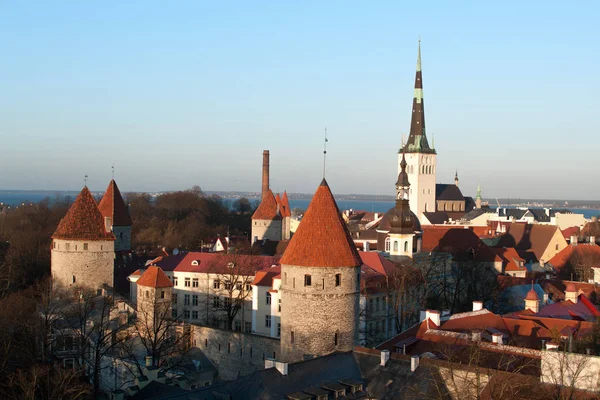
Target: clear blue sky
177, 94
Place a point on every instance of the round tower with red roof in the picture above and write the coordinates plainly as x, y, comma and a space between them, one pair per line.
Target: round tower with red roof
83, 251
155, 291
320, 284
116, 216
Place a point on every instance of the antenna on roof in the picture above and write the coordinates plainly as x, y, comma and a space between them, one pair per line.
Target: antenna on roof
113, 170
85, 178
325, 152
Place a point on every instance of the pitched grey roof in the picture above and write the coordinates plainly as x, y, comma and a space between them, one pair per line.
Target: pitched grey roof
445, 191
476, 213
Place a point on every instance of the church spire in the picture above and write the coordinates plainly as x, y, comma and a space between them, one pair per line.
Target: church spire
417, 139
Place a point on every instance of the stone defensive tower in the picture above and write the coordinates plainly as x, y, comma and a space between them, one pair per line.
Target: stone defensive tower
155, 291
116, 217
320, 284
83, 251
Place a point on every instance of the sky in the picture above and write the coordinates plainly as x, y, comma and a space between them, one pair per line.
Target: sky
177, 94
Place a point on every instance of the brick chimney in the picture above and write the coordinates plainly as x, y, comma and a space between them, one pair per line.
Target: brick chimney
265, 173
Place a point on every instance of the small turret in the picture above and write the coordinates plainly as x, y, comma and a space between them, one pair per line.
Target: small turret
456, 178
478, 197
402, 220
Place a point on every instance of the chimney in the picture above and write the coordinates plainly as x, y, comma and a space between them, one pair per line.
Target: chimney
592, 239
571, 293
367, 246
265, 173
434, 316
573, 240
385, 356
414, 363
281, 367
477, 306
497, 338
148, 361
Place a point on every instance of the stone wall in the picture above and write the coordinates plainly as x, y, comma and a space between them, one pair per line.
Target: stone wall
315, 317
84, 263
235, 353
266, 229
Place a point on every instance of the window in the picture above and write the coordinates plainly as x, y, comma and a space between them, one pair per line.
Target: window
238, 286
195, 282
54, 246
293, 282
377, 304
68, 246
292, 337
387, 244
228, 285
194, 314
248, 287
557, 246
227, 302
187, 282
338, 279
335, 339
238, 326
174, 281
267, 321
395, 245
370, 304
247, 327
186, 300
174, 313
406, 246
278, 330
186, 314
285, 278
268, 298
216, 284
174, 298
195, 300
74, 279
279, 305
147, 293
85, 246
162, 294
307, 280
216, 302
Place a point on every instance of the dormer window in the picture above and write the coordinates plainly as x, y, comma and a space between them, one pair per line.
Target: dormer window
195, 262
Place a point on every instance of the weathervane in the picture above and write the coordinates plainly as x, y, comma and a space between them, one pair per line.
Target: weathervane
85, 178
325, 152
113, 170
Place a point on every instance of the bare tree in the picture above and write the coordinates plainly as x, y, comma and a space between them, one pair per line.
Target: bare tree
567, 373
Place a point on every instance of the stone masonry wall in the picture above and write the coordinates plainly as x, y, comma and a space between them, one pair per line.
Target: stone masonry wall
319, 313
235, 353
92, 267
123, 237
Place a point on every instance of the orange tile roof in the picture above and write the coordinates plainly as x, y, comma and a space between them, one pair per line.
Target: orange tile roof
586, 250
286, 205
531, 295
154, 277
322, 238
532, 237
572, 231
268, 208
511, 258
113, 206
83, 221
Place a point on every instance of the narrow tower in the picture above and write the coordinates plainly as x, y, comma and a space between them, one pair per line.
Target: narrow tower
478, 197
320, 285
116, 216
83, 251
265, 173
420, 157
401, 218
456, 178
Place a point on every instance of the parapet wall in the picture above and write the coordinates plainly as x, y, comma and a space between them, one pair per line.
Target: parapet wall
235, 353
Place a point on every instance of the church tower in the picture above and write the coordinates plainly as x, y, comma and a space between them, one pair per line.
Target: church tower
420, 157
116, 216
401, 218
83, 250
320, 284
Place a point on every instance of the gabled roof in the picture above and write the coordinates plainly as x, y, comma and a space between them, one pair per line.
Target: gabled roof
113, 206
458, 241
449, 192
510, 256
378, 263
83, 221
533, 237
576, 253
266, 276
154, 277
268, 208
322, 238
572, 231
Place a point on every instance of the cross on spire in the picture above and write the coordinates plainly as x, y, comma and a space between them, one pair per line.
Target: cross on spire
325, 152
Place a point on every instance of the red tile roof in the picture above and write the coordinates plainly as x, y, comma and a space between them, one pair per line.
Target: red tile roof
322, 238
265, 277
113, 206
585, 250
286, 211
557, 288
457, 241
217, 263
268, 208
510, 258
531, 295
572, 231
154, 277
83, 221
377, 262
532, 237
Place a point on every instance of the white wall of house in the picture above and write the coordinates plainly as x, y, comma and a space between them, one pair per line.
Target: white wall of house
564, 221
570, 369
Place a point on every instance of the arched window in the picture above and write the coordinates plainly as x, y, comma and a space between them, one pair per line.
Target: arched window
426, 207
406, 247
268, 298
147, 293
387, 244
395, 245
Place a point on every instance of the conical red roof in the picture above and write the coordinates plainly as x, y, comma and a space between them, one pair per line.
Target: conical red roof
83, 221
113, 206
268, 208
531, 295
287, 212
154, 277
322, 238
